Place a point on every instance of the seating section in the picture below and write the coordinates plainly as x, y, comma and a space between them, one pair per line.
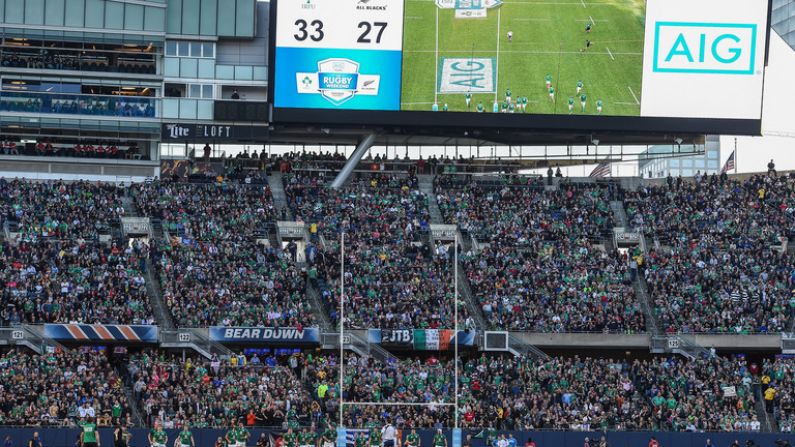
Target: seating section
778, 390
214, 393
393, 280
60, 388
215, 268
74, 282
717, 268
541, 270
60, 210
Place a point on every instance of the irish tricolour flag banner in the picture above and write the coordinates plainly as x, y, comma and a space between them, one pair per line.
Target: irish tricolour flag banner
432, 339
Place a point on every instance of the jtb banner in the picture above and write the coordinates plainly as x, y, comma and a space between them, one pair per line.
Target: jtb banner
110, 332
262, 334
420, 339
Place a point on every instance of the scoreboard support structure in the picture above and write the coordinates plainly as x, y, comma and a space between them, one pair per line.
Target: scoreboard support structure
354, 160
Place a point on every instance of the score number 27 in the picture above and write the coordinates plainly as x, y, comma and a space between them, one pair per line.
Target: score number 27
317, 33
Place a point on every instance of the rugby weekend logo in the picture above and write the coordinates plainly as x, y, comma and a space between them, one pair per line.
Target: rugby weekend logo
706, 48
337, 80
469, 9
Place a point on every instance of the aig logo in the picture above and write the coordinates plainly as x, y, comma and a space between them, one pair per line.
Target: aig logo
712, 48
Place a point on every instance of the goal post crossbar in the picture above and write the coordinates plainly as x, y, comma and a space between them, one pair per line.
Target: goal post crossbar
400, 404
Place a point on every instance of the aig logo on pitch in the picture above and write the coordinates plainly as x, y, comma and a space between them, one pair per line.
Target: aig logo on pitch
711, 48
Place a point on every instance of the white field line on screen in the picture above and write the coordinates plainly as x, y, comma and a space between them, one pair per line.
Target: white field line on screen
610, 53
583, 3
592, 20
624, 103
637, 101
604, 53
497, 62
414, 17
436, 65
417, 103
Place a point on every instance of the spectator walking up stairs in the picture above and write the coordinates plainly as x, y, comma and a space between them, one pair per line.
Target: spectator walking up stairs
132, 403
769, 424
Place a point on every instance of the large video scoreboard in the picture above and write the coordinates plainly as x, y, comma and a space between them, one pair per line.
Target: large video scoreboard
661, 65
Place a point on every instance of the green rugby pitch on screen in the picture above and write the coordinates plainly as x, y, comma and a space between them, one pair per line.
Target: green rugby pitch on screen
484, 48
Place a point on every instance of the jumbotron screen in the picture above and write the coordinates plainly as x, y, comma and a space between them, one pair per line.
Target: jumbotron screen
626, 58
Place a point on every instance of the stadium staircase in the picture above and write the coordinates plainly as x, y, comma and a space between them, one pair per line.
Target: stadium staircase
519, 347
318, 308
28, 335
426, 187
464, 290
642, 292
768, 421
135, 409
619, 213
162, 314
279, 197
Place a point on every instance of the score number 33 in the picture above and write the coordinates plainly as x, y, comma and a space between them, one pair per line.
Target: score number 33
317, 33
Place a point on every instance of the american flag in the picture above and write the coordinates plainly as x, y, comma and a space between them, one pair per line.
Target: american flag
602, 170
729, 164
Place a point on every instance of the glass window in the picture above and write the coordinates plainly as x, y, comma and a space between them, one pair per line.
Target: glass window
712, 164
207, 91
687, 172
184, 49
713, 155
195, 91
171, 48
195, 49
209, 50
674, 163
699, 164
687, 163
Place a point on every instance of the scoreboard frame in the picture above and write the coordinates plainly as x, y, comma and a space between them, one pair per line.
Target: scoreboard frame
496, 121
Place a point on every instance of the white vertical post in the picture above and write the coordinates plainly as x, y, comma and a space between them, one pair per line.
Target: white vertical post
342, 323
455, 323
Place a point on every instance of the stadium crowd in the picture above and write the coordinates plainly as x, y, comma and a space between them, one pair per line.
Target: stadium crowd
59, 209
778, 390
178, 391
60, 388
541, 270
213, 269
74, 282
718, 268
393, 279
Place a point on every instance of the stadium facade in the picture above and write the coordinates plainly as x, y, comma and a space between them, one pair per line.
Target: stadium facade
783, 20
661, 161
106, 82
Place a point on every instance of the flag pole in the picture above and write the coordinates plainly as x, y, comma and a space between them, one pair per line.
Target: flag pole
736, 164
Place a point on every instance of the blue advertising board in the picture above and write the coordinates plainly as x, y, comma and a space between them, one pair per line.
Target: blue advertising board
265, 334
